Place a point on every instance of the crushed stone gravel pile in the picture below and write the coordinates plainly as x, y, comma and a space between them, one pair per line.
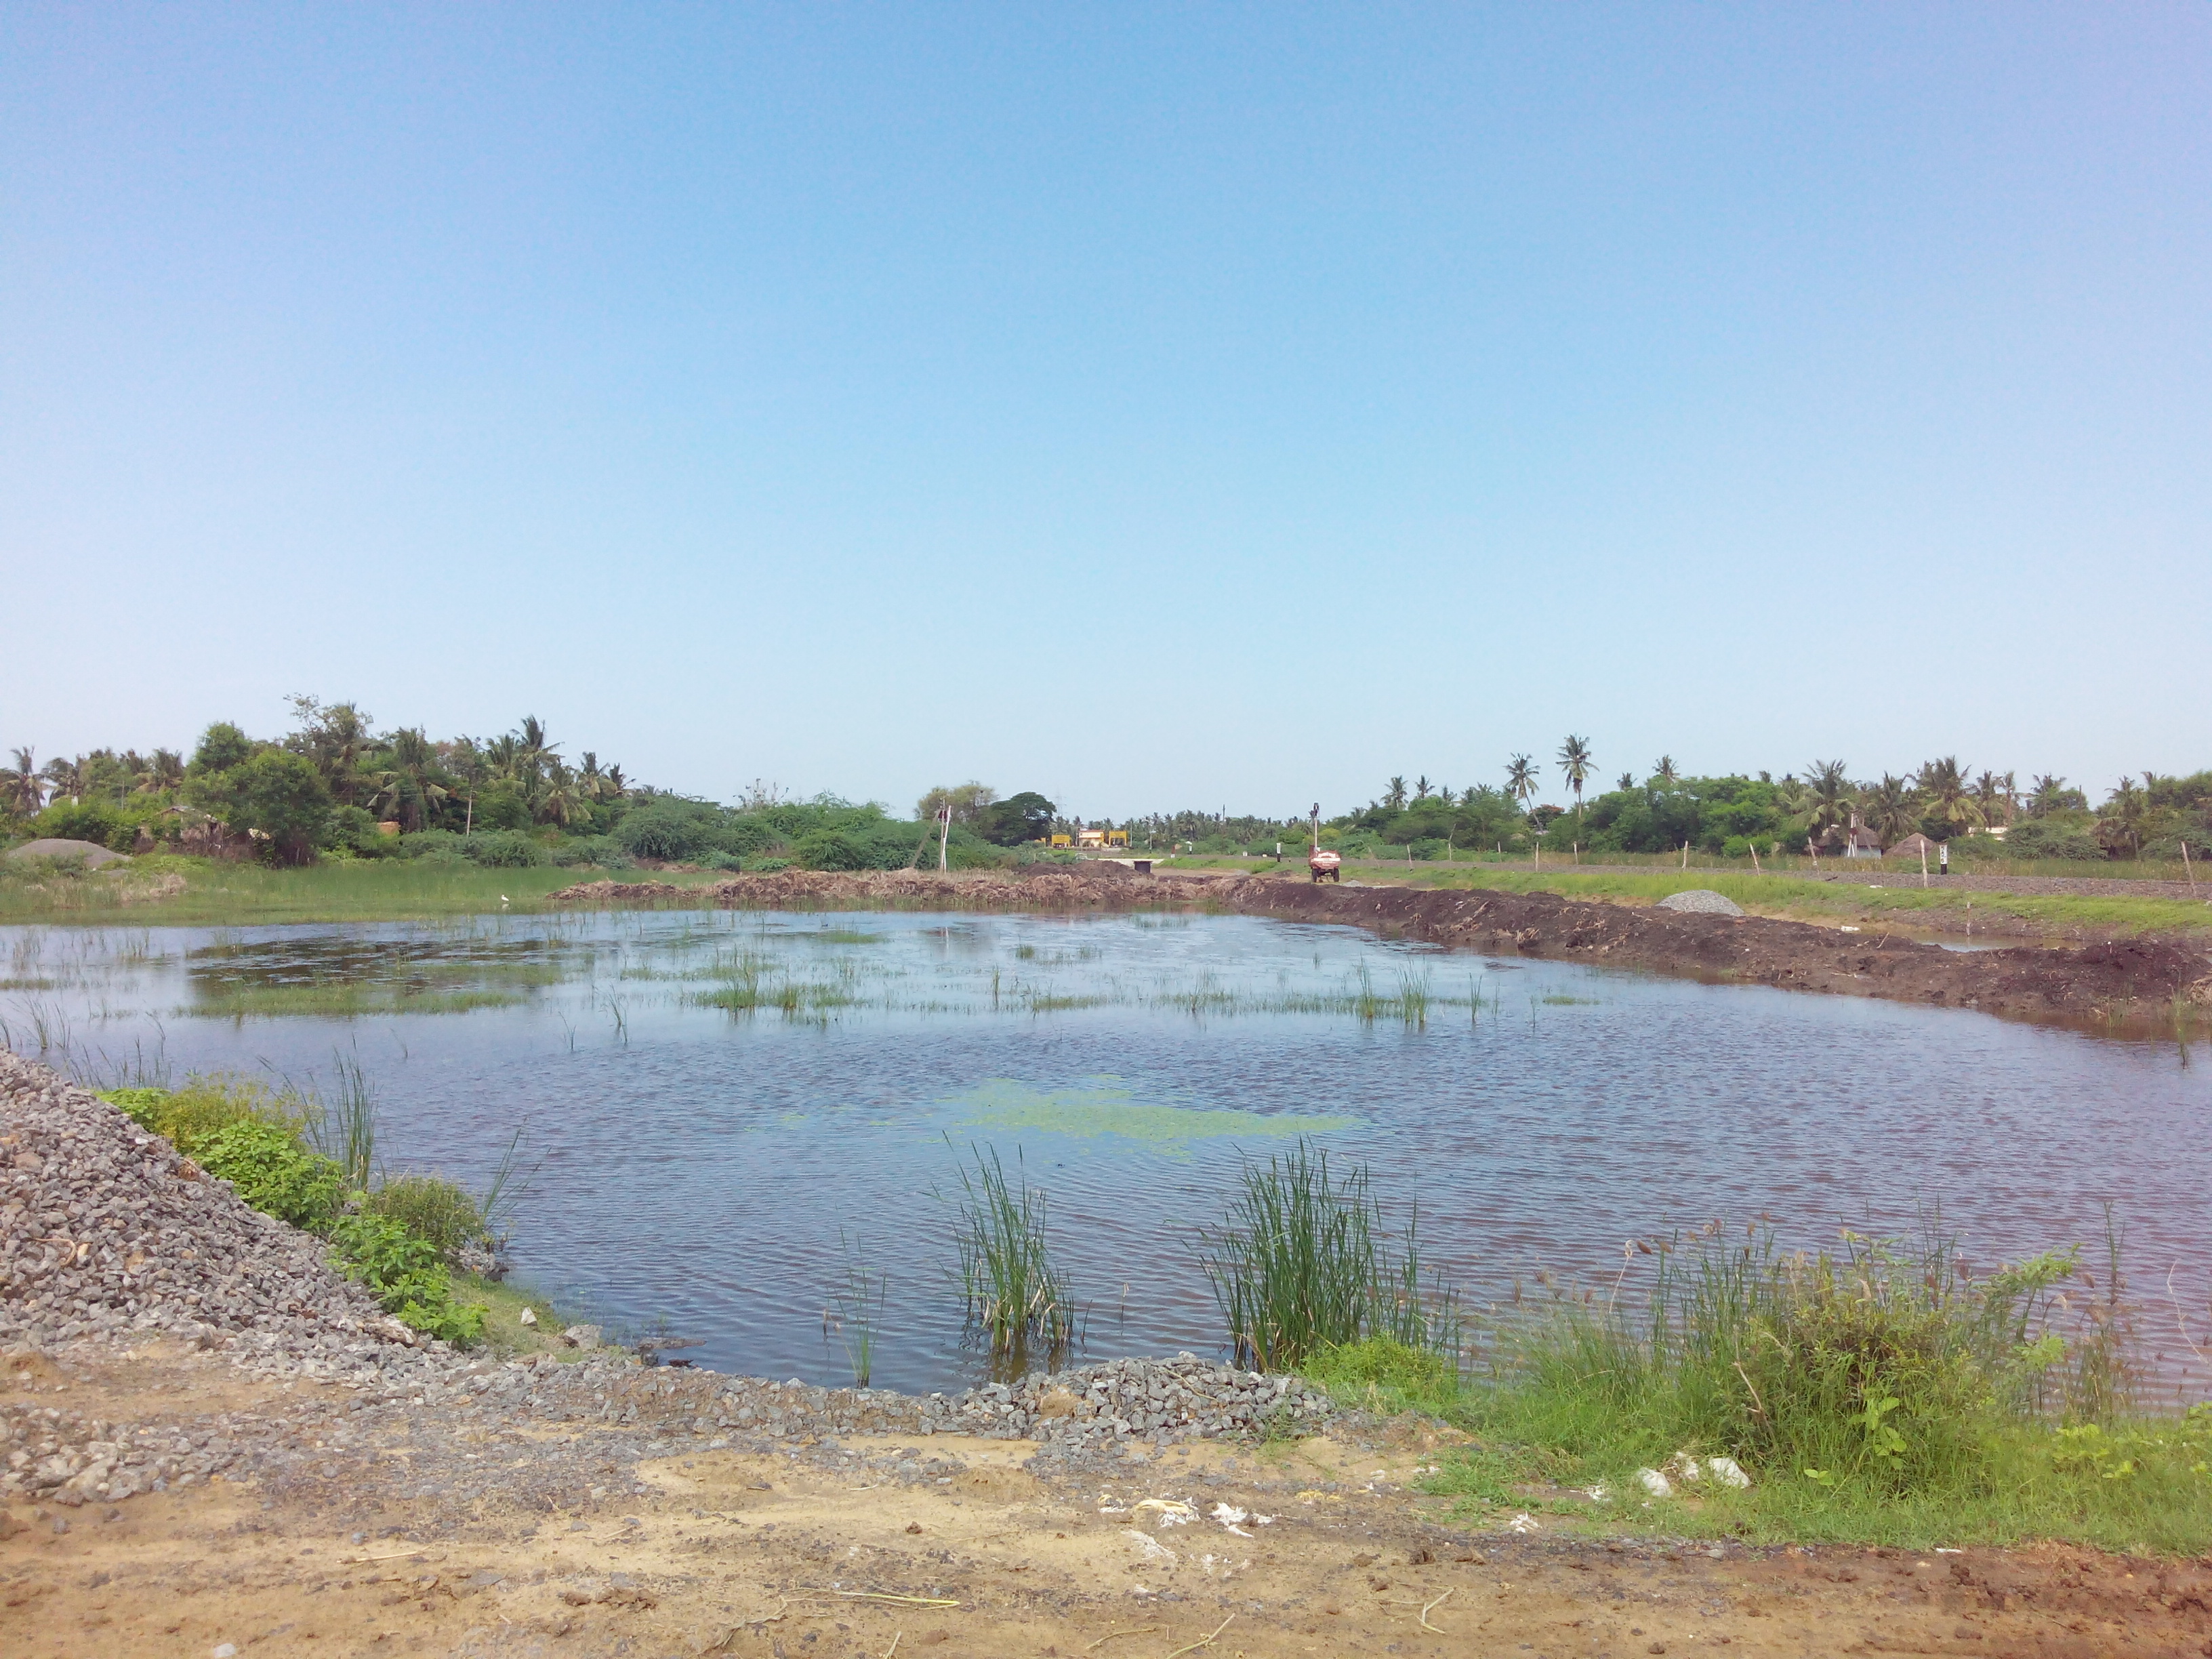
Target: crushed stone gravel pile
1185, 1398
109, 1238
1703, 902
105, 1230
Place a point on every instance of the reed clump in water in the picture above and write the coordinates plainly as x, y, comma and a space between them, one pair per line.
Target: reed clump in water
1304, 1263
1016, 1294
860, 1298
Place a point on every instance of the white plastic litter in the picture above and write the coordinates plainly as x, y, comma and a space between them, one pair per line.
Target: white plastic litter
1523, 1521
1173, 1512
1727, 1472
1148, 1547
1655, 1483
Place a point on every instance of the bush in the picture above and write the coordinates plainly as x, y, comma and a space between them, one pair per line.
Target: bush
189, 1117
670, 830
431, 1208
406, 1276
274, 1173
603, 851
280, 795
506, 850
724, 861
2051, 838
500, 806
834, 850
398, 1245
352, 829
747, 835
95, 820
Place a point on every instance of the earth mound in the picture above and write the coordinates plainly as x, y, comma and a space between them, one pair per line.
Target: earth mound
90, 853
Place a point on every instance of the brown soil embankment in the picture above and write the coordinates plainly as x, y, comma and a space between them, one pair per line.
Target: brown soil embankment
2123, 981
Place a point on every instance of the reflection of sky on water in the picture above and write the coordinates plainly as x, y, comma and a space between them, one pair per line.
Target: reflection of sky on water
699, 1166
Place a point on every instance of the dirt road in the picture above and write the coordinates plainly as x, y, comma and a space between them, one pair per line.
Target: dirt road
366, 1529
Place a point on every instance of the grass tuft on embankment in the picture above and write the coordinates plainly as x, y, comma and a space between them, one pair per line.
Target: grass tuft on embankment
308, 1163
1875, 1395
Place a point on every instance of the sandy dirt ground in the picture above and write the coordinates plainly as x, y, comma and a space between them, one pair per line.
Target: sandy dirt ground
434, 1531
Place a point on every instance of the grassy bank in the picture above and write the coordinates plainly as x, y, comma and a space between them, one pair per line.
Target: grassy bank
188, 892
2063, 915
1907, 908
1874, 1396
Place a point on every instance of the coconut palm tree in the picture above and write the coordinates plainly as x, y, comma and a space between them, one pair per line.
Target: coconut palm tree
2120, 822
535, 754
1889, 807
1394, 796
67, 777
1521, 779
1950, 801
1575, 761
1828, 787
1421, 787
2046, 794
164, 770
19, 785
1990, 797
562, 801
1663, 769
407, 789
1628, 781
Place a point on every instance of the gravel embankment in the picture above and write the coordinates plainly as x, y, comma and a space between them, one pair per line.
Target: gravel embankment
109, 1239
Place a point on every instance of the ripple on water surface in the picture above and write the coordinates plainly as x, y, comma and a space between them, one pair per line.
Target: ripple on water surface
726, 1112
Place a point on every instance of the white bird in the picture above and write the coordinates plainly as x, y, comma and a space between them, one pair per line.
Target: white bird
502, 898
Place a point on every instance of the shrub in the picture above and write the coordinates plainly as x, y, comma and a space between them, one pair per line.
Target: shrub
95, 820
747, 835
2047, 838
834, 850
274, 1173
724, 861
189, 1117
670, 830
603, 851
142, 1106
431, 1208
405, 1275
280, 795
501, 807
506, 850
351, 828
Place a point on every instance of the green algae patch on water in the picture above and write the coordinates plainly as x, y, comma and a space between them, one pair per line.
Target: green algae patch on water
1103, 1106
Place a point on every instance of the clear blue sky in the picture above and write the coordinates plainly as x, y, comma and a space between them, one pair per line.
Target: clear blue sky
1151, 405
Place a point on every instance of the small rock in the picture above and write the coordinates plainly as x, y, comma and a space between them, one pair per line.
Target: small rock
528, 1316
586, 1337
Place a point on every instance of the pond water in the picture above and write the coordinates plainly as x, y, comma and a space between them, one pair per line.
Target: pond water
727, 1110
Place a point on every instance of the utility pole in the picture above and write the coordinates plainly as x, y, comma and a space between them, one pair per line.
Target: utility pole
944, 833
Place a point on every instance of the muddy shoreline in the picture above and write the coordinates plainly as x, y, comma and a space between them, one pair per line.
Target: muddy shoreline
2117, 984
